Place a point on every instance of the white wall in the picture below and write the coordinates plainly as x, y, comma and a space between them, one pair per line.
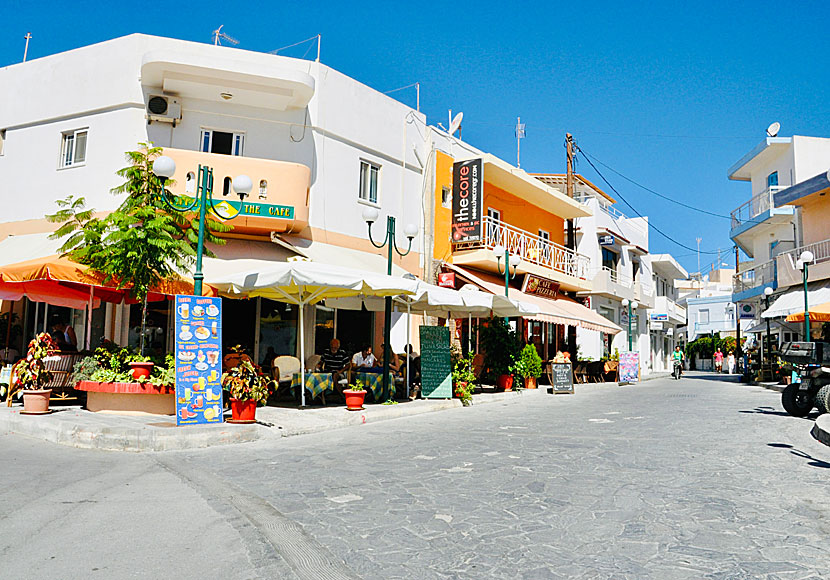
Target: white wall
812, 156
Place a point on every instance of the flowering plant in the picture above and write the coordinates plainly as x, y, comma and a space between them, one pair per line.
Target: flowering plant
245, 383
31, 372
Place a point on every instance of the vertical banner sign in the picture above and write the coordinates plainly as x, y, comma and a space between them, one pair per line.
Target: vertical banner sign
198, 360
467, 200
629, 367
436, 372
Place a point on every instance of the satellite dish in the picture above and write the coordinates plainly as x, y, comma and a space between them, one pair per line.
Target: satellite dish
772, 130
456, 123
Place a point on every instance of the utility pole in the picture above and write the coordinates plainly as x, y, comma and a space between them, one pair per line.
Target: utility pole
571, 241
28, 37
520, 134
698, 255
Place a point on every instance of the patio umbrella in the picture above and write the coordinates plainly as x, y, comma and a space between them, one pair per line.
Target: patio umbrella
818, 313
303, 283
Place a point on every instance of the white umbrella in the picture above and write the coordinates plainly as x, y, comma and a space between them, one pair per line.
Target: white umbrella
303, 283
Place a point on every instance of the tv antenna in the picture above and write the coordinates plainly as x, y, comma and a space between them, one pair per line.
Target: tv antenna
217, 34
455, 123
520, 134
28, 37
772, 130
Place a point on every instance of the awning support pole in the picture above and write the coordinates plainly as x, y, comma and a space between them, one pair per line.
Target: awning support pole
408, 344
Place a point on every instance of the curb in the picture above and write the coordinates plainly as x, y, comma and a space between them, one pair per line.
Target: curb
821, 429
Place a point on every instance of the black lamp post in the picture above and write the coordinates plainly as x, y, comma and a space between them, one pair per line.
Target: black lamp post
803, 264
370, 216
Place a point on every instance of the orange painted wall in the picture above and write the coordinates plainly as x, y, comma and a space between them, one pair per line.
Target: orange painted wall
815, 215
521, 214
443, 216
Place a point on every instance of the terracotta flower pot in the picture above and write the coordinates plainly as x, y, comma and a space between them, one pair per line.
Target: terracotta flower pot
530, 382
243, 410
36, 401
354, 400
506, 382
141, 369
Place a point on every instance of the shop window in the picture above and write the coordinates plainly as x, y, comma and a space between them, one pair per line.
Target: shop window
73, 148
263, 189
369, 176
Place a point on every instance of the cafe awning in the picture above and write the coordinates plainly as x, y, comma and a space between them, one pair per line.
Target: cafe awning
562, 310
792, 301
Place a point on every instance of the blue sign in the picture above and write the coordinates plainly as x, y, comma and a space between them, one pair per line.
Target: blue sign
198, 360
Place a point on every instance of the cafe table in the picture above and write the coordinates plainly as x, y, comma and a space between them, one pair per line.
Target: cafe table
374, 383
316, 383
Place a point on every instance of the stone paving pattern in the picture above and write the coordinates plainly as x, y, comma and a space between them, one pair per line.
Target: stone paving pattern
699, 478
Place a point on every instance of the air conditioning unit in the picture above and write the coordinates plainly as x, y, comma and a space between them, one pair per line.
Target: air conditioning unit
164, 108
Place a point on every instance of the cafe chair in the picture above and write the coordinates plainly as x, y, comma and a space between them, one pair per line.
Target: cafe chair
283, 369
312, 362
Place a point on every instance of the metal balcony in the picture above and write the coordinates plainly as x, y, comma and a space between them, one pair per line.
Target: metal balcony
756, 206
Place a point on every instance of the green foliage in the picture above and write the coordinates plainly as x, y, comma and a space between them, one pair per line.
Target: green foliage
110, 363
358, 385
705, 346
529, 363
464, 379
31, 372
500, 346
245, 383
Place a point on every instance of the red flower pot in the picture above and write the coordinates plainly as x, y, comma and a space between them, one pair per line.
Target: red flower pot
36, 401
141, 369
243, 410
506, 382
354, 400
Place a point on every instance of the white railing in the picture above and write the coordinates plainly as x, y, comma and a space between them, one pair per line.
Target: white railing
618, 278
647, 289
714, 326
755, 277
757, 205
531, 248
820, 250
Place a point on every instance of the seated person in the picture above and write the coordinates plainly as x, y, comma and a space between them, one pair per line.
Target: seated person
364, 359
394, 360
268, 361
334, 359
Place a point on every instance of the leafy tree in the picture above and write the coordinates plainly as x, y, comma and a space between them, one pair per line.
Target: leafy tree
143, 242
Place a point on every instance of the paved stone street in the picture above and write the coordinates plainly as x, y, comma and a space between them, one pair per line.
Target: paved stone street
697, 479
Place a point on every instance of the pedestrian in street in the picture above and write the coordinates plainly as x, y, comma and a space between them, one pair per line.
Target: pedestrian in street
730, 362
719, 361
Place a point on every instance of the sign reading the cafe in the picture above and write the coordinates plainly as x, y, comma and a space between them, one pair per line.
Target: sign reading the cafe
539, 286
229, 209
198, 360
436, 366
467, 200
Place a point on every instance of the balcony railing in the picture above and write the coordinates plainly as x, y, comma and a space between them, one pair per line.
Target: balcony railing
531, 248
618, 278
611, 211
757, 205
714, 326
760, 275
820, 250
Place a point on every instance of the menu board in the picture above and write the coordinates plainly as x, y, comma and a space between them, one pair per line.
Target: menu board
436, 367
629, 367
562, 378
198, 360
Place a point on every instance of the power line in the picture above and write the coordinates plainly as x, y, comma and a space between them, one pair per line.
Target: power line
651, 225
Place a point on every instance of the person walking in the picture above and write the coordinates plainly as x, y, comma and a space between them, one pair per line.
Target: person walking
730, 362
719, 361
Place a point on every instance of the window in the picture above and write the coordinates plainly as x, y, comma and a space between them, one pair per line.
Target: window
263, 189
446, 197
635, 269
790, 337
607, 313
772, 179
222, 142
703, 316
609, 260
73, 148
226, 186
544, 244
369, 174
493, 222
190, 182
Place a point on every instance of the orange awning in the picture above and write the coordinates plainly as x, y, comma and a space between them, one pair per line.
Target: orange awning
818, 313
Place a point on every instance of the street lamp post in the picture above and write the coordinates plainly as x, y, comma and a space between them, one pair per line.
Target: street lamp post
803, 264
767, 294
500, 251
370, 216
632, 305
164, 167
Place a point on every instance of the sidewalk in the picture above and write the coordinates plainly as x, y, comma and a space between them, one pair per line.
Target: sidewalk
77, 427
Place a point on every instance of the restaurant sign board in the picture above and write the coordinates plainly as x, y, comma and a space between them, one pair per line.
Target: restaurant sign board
629, 367
538, 286
228, 209
198, 360
562, 378
436, 367
467, 200
659, 317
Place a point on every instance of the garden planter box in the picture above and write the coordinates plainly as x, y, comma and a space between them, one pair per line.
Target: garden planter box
128, 398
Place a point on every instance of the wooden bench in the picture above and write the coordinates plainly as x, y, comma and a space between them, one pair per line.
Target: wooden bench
62, 365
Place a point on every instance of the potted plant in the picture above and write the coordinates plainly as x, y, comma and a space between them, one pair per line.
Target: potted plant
141, 367
354, 395
30, 375
500, 347
529, 366
247, 388
463, 379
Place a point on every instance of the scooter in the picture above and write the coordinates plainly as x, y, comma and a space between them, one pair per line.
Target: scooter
678, 367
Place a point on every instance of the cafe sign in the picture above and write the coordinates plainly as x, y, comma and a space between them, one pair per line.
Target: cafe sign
467, 200
538, 286
228, 209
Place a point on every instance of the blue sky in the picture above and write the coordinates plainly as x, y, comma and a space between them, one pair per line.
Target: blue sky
668, 94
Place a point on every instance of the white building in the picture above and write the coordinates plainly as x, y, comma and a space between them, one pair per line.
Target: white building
667, 315
320, 147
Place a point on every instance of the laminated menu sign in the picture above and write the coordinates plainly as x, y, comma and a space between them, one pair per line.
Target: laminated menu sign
629, 367
198, 360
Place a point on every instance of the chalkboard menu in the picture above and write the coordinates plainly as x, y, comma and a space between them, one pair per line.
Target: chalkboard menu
629, 367
436, 367
562, 378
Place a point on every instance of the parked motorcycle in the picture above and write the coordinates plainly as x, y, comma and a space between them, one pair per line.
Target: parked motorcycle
811, 360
